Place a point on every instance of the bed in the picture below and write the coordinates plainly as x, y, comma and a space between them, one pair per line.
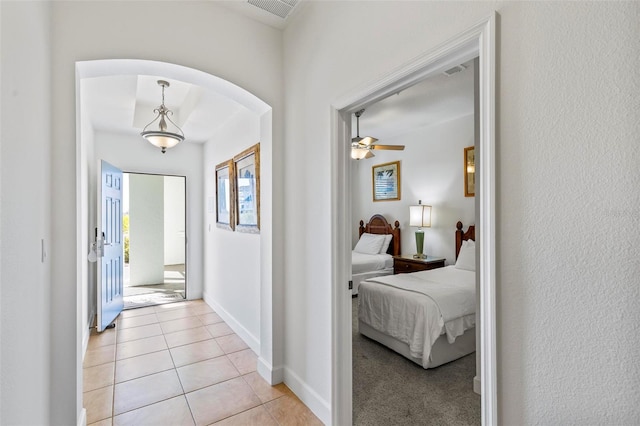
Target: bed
428, 316
365, 263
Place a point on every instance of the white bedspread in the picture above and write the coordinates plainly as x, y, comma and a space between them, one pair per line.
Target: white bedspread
361, 262
417, 308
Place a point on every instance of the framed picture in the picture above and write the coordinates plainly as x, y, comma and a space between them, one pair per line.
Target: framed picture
386, 181
469, 172
224, 195
247, 176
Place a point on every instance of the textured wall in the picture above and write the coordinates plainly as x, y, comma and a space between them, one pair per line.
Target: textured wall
567, 181
25, 282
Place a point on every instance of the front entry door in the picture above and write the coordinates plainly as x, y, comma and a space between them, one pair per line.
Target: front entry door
109, 239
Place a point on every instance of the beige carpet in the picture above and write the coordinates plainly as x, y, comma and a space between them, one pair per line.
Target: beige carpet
388, 389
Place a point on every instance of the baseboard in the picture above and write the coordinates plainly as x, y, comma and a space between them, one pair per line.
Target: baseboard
82, 419
86, 333
476, 385
238, 328
308, 396
272, 375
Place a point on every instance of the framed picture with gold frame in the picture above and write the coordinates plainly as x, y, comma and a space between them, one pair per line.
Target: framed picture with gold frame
246, 167
386, 181
225, 188
469, 172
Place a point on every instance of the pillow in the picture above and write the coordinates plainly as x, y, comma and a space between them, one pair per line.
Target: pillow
467, 256
369, 244
385, 244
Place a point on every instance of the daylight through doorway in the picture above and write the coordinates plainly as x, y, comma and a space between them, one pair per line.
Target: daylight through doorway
154, 239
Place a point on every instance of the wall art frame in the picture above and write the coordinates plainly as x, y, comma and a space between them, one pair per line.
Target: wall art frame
225, 195
246, 166
469, 172
385, 181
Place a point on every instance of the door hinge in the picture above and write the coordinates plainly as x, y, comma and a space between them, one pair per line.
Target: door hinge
350, 285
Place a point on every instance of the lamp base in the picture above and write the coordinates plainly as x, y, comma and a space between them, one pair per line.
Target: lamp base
419, 245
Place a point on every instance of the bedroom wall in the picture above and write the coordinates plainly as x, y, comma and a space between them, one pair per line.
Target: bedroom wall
25, 207
216, 41
567, 179
232, 259
431, 171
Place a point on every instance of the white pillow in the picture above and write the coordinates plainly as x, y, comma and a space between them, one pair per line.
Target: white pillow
467, 256
369, 244
385, 244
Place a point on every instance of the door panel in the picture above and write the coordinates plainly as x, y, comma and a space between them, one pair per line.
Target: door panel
111, 264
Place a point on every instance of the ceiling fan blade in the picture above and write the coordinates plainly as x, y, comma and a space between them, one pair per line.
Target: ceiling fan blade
388, 147
368, 140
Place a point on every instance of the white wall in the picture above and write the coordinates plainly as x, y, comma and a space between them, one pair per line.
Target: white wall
174, 220
232, 259
431, 171
146, 229
216, 41
567, 180
25, 179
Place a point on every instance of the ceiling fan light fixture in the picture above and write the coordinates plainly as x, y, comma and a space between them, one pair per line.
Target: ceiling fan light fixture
164, 133
358, 153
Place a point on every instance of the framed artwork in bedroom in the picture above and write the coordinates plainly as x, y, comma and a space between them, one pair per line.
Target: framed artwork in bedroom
224, 195
386, 181
469, 172
247, 189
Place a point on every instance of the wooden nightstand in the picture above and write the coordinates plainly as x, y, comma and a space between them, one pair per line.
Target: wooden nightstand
404, 264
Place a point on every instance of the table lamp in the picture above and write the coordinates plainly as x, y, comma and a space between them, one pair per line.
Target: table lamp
420, 216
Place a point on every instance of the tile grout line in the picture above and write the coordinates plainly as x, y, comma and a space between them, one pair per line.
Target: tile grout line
175, 368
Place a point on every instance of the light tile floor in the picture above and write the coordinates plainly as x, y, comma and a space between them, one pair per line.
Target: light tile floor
180, 364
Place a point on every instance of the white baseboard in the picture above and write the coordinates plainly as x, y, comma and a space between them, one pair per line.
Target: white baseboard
86, 333
82, 419
272, 375
308, 396
476, 385
238, 328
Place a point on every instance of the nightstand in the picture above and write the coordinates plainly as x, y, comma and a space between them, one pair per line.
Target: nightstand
404, 264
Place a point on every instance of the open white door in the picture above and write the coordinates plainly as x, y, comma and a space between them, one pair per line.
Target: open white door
110, 245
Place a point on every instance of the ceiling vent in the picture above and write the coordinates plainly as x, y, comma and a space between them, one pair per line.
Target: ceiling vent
455, 70
281, 8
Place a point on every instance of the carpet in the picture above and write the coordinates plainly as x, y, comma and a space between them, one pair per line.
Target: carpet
388, 389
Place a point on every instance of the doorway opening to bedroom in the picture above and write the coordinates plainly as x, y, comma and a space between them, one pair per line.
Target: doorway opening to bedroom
394, 349
477, 42
154, 224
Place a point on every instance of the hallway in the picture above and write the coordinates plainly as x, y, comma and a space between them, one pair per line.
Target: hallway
180, 364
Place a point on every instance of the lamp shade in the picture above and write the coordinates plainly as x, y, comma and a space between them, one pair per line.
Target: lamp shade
420, 216
360, 153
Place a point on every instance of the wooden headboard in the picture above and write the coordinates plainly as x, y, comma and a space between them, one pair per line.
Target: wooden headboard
461, 236
379, 225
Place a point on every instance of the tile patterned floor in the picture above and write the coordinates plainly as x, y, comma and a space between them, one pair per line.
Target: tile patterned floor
180, 364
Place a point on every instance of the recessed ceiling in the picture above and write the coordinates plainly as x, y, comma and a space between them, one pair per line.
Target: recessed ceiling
434, 100
125, 104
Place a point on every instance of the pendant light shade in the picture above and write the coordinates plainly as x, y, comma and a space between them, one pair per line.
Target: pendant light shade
162, 131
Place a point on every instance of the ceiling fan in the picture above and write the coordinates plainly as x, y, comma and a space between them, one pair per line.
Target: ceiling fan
361, 147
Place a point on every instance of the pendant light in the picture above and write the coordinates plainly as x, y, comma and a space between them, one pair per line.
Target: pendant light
165, 133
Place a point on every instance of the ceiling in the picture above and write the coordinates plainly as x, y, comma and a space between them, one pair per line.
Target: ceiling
125, 104
435, 100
